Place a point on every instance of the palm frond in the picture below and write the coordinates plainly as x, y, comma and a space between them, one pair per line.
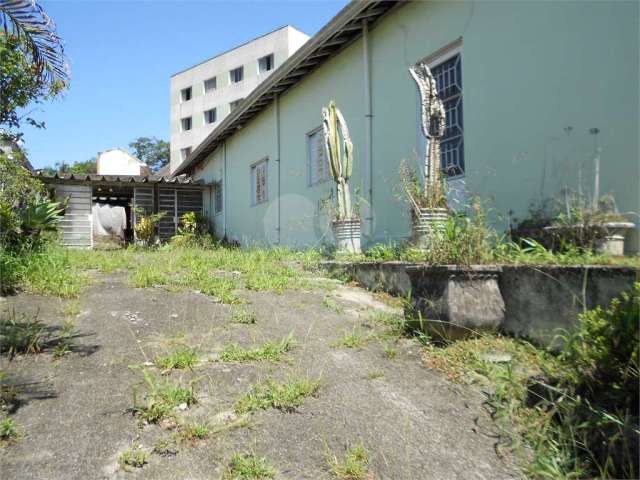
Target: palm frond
29, 22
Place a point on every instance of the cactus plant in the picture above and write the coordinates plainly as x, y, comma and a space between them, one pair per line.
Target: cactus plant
339, 151
433, 125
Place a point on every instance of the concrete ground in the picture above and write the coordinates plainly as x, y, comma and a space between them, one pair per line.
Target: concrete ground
75, 415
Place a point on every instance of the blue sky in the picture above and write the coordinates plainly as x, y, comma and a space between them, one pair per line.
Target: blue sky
122, 54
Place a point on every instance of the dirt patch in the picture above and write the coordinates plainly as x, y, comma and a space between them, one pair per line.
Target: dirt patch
76, 411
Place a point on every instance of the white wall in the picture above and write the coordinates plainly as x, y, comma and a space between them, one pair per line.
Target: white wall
120, 162
282, 43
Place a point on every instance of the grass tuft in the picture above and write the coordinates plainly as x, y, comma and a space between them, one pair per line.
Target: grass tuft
270, 351
283, 396
134, 457
248, 467
181, 359
353, 339
352, 466
243, 316
161, 397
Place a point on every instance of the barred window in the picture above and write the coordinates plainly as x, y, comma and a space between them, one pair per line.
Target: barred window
448, 76
317, 164
259, 182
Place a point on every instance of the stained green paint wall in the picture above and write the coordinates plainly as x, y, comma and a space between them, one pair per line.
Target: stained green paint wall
530, 69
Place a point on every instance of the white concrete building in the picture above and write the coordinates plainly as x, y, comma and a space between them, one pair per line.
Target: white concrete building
117, 161
203, 95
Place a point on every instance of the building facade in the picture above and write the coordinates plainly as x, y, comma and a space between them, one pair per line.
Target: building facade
534, 91
203, 95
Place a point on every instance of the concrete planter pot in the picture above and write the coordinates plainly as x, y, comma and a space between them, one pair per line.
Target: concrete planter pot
613, 241
424, 224
347, 235
455, 302
610, 236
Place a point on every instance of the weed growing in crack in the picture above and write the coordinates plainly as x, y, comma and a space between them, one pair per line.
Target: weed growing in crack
352, 466
283, 396
8, 430
270, 351
165, 447
181, 359
161, 397
248, 466
133, 457
194, 431
243, 316
332, 305
353, 339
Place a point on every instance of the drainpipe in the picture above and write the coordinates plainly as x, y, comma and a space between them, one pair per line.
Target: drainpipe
368, 115
277, 114
224, 190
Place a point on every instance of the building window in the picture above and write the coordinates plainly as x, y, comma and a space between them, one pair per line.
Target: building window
265, 63
448, 76
184, 153
210, 84
218, 197
186, 124
185, 94
233, 105
236, 75
259, 182
317, 162
210, 116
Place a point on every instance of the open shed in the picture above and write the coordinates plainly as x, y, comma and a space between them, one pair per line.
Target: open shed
83, 194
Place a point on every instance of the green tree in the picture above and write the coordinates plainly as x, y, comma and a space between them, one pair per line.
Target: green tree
152, 151
32, 63
77, 168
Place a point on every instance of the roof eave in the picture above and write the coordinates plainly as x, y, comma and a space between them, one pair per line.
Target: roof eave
334, 36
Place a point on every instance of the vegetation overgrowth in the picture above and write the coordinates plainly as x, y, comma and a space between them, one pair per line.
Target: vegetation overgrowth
576, 412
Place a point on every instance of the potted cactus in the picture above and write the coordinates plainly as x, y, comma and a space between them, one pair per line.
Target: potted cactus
428, 201
339, 151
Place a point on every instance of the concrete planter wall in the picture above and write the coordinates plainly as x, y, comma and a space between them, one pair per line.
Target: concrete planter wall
455, 302
536, 301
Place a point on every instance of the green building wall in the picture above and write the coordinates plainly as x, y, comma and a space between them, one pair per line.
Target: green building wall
536, 77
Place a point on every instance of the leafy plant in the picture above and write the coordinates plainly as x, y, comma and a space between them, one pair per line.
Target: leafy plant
145, 226
8, 430
40, 217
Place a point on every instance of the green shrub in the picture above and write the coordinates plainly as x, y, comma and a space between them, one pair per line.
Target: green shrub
603, 360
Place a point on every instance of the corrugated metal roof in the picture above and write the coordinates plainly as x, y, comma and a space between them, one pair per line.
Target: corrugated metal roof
345, 27
180, 180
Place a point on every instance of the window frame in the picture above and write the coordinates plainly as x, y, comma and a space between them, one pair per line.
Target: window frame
327, 176
272, 63
185, 152
206, 116
215, 85
232, 75
182, 94
253, 169
433, 61
182, 123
